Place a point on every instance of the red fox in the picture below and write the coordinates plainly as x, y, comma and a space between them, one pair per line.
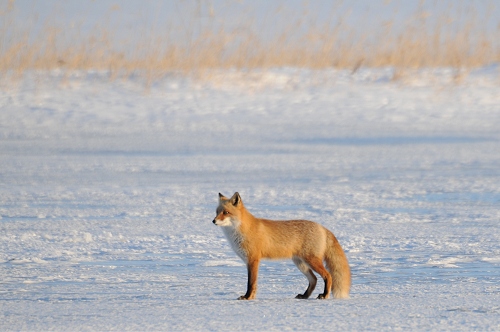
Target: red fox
307, 243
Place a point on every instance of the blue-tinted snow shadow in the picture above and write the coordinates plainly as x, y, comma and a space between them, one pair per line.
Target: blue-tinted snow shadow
396, 140
464, 197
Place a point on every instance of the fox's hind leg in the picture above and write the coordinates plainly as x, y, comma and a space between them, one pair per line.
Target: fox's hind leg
306, 270
316, 264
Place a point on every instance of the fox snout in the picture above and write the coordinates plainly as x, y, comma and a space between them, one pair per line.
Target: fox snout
214, 221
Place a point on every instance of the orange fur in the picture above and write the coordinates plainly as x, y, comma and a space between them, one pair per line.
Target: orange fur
307, 243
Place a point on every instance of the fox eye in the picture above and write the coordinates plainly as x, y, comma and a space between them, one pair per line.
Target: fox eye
225, 212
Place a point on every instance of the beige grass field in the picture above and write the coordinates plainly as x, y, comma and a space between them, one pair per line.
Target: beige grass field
463, 36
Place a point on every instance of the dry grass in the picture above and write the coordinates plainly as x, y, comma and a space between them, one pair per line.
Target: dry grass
457, 38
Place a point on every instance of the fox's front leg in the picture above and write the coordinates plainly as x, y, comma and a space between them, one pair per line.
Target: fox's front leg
253, 272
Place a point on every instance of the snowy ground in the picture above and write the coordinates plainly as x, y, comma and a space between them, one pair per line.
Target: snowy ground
108, 190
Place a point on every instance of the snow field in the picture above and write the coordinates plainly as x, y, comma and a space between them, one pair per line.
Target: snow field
107, 193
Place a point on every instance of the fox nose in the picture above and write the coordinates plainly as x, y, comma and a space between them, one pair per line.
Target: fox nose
213, 221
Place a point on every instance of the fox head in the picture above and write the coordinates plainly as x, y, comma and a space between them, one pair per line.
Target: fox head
229, 211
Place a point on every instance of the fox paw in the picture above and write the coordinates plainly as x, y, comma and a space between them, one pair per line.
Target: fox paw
322, 296
243, 297
301, 296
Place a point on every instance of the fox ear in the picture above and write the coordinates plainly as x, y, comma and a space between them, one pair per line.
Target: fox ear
221, 197
236, 199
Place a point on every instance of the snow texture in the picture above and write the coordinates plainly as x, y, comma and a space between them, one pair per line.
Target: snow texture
108, 190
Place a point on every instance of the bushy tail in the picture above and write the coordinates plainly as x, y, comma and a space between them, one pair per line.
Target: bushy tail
337, 264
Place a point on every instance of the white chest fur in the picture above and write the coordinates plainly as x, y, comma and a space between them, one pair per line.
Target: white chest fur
235, 239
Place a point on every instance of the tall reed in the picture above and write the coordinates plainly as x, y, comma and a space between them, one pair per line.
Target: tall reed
457, 37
